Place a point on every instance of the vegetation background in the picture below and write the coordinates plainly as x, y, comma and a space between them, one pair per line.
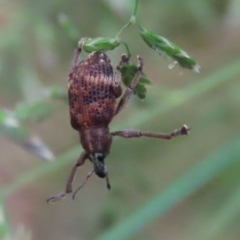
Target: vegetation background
184, 189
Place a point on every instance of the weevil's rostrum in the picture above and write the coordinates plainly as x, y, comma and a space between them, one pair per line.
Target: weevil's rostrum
93, 89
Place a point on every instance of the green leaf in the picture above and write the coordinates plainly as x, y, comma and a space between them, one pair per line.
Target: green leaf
11, 127
35, 111
100, 44
144, 80
57, 92
140, 90
163, 45
128, 72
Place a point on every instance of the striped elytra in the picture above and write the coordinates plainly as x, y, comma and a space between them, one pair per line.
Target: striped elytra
92, 100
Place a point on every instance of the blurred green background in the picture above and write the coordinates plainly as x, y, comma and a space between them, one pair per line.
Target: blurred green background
183, 189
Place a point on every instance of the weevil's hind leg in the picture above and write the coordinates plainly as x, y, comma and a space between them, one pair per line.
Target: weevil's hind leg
135, 133
88, 176
129, 91
68, 188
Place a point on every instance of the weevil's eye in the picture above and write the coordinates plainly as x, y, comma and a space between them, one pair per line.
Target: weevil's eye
100, 157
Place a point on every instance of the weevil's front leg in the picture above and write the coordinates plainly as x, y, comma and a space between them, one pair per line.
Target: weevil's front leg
68, 188
77, 53
117, 76
135, 133
129, 91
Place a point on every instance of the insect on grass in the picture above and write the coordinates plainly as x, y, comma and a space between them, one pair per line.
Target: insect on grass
93, 90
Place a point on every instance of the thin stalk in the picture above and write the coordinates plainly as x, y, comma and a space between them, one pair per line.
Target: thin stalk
131, 21
127, 48
135, 9
123, 28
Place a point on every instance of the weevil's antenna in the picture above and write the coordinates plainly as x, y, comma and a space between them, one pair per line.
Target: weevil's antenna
108, 183
88, 176
107, 178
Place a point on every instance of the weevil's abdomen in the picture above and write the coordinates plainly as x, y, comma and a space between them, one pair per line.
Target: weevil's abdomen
91, 96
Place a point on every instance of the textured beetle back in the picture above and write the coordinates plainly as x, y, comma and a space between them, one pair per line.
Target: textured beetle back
91, 96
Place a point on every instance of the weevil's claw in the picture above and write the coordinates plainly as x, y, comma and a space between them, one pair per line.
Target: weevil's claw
184, 130
125, 58
56, 198
81, 42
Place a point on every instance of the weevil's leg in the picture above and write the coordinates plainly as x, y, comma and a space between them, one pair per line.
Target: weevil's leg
135, 133
129, 91
88, 176
117, 76
77, 53
68, 188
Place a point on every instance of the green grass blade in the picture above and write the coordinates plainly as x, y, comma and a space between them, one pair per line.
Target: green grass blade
179, 190
4, 227
215, 225
13, 129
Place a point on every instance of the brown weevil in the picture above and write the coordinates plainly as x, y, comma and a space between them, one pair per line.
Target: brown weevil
93, 89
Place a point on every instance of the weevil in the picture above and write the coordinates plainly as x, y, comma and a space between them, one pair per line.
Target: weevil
93, 90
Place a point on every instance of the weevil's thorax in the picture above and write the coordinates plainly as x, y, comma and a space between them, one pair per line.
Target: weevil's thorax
96, 140
96, 58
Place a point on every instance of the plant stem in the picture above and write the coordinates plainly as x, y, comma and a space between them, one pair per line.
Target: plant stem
131, 21
127, 48
135, 9
123, 28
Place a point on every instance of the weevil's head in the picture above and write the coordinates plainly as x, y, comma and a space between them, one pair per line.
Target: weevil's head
98, 164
